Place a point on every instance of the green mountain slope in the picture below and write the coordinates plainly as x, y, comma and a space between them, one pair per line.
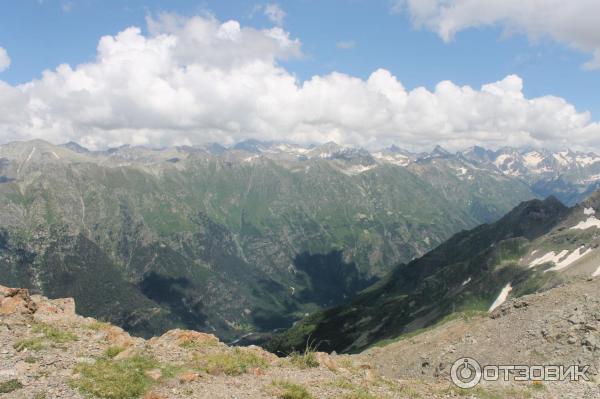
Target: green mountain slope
467, 272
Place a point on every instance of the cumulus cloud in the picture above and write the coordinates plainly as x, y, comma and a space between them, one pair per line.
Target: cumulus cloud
194, 80
573, 22
275, 13
4, 60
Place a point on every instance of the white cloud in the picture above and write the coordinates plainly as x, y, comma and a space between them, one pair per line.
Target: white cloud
275, 13
573, 22
4, 60
345, 44
193, 80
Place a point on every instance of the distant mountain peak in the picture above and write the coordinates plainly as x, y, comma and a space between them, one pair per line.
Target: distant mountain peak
439, 150
73, 146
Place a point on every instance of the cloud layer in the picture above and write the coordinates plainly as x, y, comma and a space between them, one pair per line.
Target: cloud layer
572, 22
4, 60
194, 80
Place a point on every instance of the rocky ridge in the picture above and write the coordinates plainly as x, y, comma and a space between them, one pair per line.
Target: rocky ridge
48, 351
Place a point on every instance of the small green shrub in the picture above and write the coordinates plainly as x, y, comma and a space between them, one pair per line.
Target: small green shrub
304, 360
10, 386
32, 344
113, 351
289, 390
31, 359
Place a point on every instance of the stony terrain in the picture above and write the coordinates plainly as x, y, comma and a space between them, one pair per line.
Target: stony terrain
556, 327
48, 351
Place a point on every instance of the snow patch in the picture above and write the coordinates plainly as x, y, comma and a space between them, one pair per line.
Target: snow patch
30, 155
589, 211
250, 159
467, 281
586, 160
500, 160
592, 221
27, 160
55, 155
358, 169
549, 257
592, 179
397, 159
597, 272
572, 258
560, 158
532, 159
502, 297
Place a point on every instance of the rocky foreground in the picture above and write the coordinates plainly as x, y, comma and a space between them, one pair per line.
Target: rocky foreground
48, 351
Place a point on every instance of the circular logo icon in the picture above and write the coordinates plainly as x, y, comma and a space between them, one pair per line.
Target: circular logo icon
465, 372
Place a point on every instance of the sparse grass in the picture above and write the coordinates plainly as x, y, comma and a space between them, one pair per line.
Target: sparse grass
31, 344
537, 386
194, 344
50, 334
407, 391
10, 386
98, 325
360, 393
354, 391
113, 351
466, 315
235, 362
31, 359
341, 383
487, 393
54, 334
289, 390
117, 379
40, 395
346, 362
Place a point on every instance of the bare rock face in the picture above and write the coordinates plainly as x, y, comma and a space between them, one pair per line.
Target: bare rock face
119, 337
16, 301
186, 337
49, 310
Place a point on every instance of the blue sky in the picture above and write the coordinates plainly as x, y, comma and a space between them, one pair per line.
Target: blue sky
42, 34
355, 37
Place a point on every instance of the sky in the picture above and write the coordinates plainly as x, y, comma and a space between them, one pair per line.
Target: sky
370, 73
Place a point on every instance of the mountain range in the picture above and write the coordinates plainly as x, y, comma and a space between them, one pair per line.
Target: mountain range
248, 238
